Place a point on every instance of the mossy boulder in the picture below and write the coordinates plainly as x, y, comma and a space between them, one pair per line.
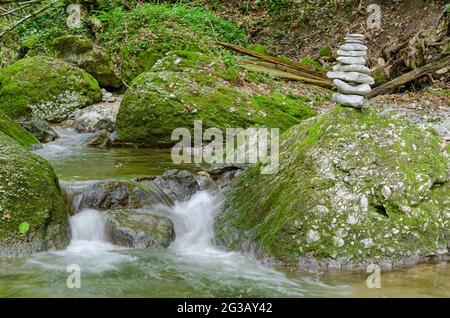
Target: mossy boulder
139, 229
92, 58
19, 134
184, 87
46, 88
138, 38
29, 192
353, 187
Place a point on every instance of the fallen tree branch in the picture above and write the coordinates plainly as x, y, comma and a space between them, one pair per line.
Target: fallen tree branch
282, 68
15, 10
312, 71
16, 24
391, 86
286, 75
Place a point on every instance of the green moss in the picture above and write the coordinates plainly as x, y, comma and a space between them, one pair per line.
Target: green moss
325, 51
311, 62
46, 88
352, 186
380, 78
259, 48
11, 129
185, 87
29, 192
92, 58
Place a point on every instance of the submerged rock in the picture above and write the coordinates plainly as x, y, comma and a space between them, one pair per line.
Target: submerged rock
139, 229
352, 219
29, 192
46, 88
82, 51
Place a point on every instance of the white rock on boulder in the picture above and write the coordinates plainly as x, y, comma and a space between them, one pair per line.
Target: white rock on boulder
353, 77
351, 60
352, 53
351, 68
355, 101
363, 89
353, 47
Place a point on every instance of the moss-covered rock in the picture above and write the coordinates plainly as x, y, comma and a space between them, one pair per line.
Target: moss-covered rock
29, 192
352, 187
137, 39
139, 229
46, 88
186, 86
92, 58
19, 134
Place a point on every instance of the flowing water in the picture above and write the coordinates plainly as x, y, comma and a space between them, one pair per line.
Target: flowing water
192, 266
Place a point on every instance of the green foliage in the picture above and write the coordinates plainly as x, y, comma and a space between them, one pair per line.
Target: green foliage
24, 227
138, 38
447, 8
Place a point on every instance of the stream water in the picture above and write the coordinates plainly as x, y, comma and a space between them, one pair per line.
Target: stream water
192, 266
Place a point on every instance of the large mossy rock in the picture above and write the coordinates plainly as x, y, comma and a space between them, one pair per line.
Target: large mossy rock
184, 87
46, 88
352, 187
92, 58
138, 38
29, 192
16, 132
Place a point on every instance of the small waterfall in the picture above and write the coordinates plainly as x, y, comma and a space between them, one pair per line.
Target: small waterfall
88, 225
155, 191
81, 195
194, 223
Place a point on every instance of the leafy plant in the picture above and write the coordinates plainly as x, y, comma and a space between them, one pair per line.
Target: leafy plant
447, 8
24, 227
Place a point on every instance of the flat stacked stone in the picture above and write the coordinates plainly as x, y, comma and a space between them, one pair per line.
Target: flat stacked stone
350, 76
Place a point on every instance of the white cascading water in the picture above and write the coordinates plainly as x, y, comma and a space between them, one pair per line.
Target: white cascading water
194, 223
194, 243
88, 225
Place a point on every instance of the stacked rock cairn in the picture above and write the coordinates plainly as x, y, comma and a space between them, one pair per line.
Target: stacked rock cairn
350, 76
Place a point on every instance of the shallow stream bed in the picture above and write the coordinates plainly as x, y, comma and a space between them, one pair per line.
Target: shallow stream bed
192, 266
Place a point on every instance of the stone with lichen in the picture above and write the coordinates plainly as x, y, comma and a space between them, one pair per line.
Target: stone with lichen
388, 202
46, 88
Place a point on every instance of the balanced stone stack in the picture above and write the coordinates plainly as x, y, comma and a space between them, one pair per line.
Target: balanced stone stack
350, 76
